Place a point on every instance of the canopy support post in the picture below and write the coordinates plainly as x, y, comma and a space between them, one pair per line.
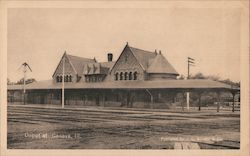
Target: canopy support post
234, 94
151, 98
218, 101
188, 99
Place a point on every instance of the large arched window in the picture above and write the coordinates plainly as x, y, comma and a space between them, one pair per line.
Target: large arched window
116, 76
121, 76
130, 76
135, 75
126, 76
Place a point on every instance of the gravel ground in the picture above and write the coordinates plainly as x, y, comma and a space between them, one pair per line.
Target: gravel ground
94, 128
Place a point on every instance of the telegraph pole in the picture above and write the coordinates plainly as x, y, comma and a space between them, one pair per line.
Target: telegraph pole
63, 81
24, 65
190, 63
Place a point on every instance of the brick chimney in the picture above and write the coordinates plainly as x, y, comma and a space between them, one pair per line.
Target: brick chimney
110, 57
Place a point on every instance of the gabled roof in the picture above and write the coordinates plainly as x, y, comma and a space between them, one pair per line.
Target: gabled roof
79, 62
76, 62
143, 56
160, 65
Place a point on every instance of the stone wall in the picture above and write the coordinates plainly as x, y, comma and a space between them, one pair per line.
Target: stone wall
68, 70
127, 63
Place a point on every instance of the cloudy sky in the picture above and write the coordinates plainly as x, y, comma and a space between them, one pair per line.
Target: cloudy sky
40, 37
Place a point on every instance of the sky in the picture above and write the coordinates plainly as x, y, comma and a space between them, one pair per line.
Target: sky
40, 36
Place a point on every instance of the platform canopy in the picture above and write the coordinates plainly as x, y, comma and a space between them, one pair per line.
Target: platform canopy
166, 84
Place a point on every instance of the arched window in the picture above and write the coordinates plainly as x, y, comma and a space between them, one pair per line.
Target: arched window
121, 76
70, 78
126, 76
130, 76
57, 79
67, 78
135, 75
60, 80
116, 76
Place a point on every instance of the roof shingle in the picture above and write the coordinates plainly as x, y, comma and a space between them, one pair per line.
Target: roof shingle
143, 56
160, 65
79, 62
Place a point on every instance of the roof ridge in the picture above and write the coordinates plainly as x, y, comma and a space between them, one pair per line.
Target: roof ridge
80, 57
142, 50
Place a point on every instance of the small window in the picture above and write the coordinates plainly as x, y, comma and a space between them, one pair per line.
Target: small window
135, 75
121, 76
57, 79
130, 76
116, 76
70, 78
125, 76
60, 80
67, 78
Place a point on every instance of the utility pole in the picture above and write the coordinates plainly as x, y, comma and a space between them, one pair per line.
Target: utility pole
190, 63
24, 66
63, 79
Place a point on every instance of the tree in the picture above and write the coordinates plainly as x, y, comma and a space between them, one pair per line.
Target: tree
31, 80
215, 78
198, 76
230, 82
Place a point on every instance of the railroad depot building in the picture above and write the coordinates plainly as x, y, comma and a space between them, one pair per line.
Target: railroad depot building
138, 78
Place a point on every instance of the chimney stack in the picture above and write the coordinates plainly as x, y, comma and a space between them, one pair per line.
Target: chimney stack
110, 57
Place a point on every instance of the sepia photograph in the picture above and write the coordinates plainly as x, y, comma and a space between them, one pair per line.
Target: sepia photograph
159, 77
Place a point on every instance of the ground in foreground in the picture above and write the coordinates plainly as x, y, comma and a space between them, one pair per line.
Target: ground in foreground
106, 128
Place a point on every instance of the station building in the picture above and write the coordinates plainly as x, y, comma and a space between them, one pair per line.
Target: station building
138, 78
